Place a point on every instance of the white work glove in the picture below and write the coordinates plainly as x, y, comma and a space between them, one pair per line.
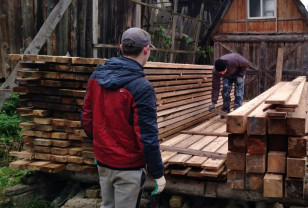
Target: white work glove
160, 184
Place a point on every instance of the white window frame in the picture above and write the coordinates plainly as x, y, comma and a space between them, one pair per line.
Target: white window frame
261, 17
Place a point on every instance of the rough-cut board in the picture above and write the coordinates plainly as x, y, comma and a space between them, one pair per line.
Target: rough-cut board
282, 95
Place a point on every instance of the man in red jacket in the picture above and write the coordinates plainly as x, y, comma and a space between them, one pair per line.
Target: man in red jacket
232, 68
119, 114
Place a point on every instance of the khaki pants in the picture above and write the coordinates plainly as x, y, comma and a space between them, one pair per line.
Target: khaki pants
121, 188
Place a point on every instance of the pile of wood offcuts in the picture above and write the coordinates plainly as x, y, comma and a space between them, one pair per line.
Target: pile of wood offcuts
267, 142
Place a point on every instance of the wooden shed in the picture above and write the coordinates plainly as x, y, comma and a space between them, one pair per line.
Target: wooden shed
258, 29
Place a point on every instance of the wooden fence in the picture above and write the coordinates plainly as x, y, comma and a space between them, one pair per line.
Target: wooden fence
93, 28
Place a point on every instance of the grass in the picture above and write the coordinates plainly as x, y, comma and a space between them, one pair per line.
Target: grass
10, 177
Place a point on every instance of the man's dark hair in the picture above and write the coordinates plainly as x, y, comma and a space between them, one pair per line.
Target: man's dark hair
220, 65
129, 49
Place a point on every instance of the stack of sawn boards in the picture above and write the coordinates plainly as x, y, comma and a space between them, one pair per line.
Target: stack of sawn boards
51, 92
200, 152
267, 142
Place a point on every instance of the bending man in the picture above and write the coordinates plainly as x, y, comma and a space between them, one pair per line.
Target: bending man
232, 68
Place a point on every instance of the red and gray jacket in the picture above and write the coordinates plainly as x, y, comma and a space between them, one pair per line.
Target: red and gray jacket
237, 66
119, 113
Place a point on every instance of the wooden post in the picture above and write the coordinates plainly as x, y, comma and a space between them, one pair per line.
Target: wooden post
279, 65
197, 34
37, 43
175, 18
95, 26
138, 15
262, 66
73, 28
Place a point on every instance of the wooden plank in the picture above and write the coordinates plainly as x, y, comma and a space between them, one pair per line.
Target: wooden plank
192, 152
179, 159
212, 173
216, 164
53, 168
43, 142
59, 151
166, 155
284, 93
295, 98
59, 158
61, 143
37, 165
22, 155
19, 164
181, 172
237, 120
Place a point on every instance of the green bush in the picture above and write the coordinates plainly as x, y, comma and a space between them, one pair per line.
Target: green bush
10, 106
10, 133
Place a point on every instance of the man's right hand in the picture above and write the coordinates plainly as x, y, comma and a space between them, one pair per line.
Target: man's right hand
160, 184
211, 107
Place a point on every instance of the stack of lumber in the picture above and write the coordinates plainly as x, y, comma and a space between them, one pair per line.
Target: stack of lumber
267, 142
200, 152
51, 92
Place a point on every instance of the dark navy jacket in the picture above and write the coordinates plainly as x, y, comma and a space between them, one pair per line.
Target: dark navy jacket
119, 113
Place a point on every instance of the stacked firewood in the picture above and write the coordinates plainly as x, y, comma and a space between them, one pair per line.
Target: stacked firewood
267, 142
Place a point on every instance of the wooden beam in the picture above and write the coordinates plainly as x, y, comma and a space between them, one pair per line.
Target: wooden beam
279, 65
37, 43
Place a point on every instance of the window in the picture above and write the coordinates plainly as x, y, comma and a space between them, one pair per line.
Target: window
261, 9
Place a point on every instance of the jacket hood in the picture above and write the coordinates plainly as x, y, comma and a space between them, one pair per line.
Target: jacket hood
118, 71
